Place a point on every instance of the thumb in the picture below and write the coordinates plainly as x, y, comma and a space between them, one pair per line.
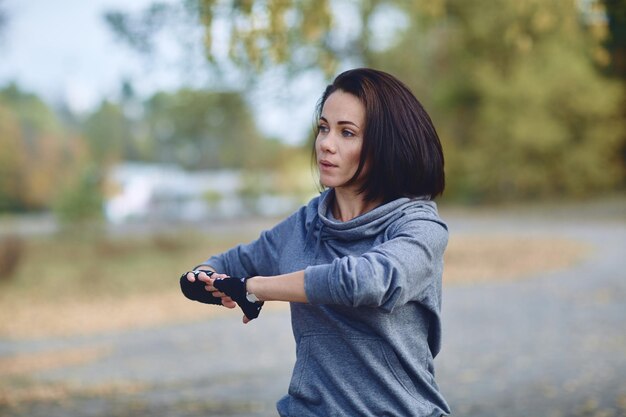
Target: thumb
246, 320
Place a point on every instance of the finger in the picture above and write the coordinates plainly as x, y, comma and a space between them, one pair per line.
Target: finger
215, 293
203, 276
246, 320
190, 277
228, 304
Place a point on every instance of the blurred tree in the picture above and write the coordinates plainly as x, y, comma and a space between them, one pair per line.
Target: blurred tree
139, 31
37, 156
31, 150
512, 87
12, 160
79, 199
261, 33
108, 133
203, 130
4, 18
289, 177
137, 146
615, 43
521, 109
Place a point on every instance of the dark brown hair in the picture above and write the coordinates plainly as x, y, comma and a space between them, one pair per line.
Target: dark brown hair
400, 143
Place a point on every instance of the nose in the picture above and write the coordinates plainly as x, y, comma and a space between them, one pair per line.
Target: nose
326, 143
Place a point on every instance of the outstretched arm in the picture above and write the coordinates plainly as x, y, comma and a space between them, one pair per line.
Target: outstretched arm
286, 287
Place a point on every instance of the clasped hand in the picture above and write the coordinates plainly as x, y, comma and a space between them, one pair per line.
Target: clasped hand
209, 287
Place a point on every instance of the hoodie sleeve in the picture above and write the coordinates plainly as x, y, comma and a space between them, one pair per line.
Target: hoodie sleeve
407, 267
259, 257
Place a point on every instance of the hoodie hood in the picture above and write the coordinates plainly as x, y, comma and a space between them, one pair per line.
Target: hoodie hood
322, 225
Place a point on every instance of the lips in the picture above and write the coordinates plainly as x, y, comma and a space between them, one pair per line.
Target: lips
326, 164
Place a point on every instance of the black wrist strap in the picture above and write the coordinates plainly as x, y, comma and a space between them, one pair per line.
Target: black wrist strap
235, 288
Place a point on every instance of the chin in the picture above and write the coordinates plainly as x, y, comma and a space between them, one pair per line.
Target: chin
329, 183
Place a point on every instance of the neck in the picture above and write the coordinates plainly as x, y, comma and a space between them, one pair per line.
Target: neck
349, 204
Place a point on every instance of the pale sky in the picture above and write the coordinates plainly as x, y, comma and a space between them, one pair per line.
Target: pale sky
63, 51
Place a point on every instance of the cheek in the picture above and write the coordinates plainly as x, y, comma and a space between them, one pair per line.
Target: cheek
355, 156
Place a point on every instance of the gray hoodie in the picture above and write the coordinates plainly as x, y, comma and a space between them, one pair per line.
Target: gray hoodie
366, 341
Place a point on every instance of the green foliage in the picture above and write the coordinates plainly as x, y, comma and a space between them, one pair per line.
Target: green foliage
108, 133
613, 38
35, 152
45, 164
547, 128
139, 31
513, 87
522, 106
261, 33
202, 130
195, 129
11, 160
291, 174
33, 115
615, 42
4, 18
519, 105
81, 200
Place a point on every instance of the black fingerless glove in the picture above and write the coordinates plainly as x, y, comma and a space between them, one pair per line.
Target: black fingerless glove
195, 290
235, 288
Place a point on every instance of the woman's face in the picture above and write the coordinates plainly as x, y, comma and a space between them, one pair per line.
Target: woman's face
339, 139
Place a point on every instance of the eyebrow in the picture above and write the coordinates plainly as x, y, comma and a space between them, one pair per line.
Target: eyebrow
341, 122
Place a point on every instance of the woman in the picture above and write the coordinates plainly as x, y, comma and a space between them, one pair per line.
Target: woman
361, 264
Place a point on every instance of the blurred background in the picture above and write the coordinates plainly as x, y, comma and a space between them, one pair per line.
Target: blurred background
137, 138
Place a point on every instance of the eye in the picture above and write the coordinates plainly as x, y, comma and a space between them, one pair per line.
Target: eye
322, 128
347, 133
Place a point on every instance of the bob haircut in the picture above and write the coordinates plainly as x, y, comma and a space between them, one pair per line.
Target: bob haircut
400, 143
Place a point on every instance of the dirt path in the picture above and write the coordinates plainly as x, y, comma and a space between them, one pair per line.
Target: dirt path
553, 346
550, 346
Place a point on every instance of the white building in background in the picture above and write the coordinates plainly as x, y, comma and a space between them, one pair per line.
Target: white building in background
158, 192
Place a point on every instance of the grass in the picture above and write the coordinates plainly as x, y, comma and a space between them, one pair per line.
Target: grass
84, 283
66, 267
77, 284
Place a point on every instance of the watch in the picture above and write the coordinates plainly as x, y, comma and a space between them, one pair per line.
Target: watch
250, 296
